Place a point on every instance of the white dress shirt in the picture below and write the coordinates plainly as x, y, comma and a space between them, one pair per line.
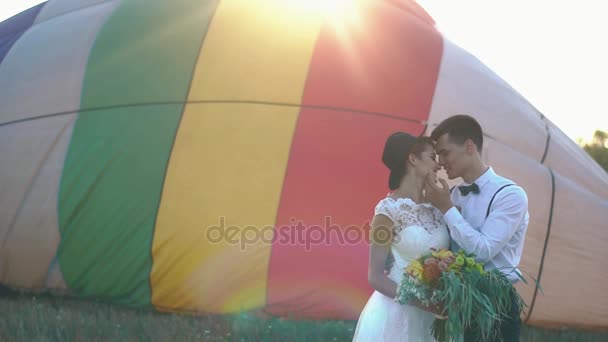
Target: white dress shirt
497, 240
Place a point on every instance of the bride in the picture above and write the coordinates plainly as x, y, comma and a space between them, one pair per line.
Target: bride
403, 228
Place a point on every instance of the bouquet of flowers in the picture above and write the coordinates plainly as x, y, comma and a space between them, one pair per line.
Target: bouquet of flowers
471, 297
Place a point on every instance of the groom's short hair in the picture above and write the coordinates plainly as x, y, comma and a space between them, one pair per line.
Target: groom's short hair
460, 128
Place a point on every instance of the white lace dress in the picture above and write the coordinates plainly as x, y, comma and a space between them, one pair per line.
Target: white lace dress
417, 229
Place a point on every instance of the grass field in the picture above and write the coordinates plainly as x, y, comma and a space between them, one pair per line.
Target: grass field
46, 318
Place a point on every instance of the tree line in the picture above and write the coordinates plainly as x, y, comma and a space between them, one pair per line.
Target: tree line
598, 149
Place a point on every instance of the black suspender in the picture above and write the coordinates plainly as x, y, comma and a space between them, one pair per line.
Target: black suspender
492, 200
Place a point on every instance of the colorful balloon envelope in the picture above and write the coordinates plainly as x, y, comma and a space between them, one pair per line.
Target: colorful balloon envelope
224, 156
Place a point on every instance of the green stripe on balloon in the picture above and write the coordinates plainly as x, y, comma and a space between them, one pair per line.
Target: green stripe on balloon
114, 171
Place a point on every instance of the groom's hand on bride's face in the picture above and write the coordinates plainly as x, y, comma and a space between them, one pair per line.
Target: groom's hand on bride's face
439, 196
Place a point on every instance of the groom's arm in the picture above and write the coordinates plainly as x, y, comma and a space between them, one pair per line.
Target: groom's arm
500, 226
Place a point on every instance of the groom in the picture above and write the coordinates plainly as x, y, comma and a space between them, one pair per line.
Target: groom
487, 214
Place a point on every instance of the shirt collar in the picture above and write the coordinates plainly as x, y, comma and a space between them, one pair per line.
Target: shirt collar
484, 178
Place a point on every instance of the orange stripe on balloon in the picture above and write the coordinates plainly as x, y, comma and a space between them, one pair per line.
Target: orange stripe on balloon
387, 63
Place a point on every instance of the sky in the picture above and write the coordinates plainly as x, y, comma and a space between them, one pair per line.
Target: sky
553, 52
8, 8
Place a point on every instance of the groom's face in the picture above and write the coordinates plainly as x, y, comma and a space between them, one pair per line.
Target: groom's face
452, 156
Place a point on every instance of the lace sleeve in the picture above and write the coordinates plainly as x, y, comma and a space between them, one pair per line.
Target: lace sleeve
384, 208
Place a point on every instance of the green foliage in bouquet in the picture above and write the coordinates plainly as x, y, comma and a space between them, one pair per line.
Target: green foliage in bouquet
473, 298
474, 301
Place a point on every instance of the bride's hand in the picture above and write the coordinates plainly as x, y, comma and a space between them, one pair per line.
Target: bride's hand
438, 310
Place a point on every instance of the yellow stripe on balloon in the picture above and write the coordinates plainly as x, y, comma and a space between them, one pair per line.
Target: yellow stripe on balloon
229, 159
257, 50
225, 175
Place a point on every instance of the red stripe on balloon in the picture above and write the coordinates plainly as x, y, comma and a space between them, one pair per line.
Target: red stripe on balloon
318, 265
335, 176
383, 60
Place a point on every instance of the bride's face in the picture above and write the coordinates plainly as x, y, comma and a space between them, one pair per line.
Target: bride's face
427, 162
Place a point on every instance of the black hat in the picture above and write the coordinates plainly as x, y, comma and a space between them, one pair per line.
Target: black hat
396, 151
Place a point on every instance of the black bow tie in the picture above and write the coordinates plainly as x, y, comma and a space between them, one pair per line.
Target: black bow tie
466, 189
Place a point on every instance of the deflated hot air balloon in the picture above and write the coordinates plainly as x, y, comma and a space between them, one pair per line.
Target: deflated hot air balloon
220, 156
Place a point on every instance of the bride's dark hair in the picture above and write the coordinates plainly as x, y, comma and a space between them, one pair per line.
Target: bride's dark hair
397, 148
